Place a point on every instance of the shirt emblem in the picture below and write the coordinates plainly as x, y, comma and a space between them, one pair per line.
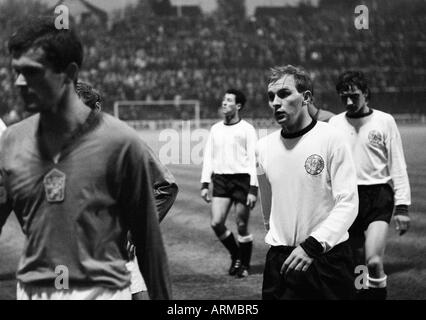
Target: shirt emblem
54, 186
314, 164
375, 138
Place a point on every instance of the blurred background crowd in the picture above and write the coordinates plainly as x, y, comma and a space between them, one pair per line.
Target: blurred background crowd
142, 54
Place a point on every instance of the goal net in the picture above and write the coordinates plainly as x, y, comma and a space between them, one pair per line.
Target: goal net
158, 114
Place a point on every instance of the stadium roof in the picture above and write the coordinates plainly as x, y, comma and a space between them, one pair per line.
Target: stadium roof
78, 8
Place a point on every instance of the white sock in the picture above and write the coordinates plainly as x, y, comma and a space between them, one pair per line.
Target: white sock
377, 282
225, 235
245, 239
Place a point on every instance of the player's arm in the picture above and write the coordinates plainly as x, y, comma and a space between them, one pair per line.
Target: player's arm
251, 152
139, 208
399, 175
164, 184
265, 191
207, 170
345, 194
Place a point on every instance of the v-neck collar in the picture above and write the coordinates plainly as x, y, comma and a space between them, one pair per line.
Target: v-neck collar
89, 124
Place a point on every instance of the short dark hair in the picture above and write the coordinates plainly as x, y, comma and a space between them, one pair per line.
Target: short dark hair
301, 77
88, 94
239, 96
61, 46
351, 78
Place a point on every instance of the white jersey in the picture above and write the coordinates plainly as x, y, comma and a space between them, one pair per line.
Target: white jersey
377, 151
313, 185
230, 149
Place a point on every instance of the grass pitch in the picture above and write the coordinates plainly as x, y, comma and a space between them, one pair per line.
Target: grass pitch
199, 263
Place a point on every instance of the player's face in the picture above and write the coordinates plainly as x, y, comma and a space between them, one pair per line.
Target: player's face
285, 100
353, 99
229, 107
40, 86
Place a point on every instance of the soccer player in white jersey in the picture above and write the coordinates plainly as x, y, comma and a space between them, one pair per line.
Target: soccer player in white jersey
382, 176
312, 178
230, 164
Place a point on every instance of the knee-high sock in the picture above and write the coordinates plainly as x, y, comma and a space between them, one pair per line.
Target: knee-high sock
377, 288
246, 247
229, 242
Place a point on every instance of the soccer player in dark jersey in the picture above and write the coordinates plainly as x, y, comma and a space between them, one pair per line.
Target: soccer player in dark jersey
383, 184
77, 179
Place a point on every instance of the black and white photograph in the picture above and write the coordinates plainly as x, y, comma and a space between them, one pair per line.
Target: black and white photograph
225, 152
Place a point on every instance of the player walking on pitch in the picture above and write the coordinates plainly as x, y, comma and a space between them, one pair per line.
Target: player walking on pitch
230, 164
312, 179
382, 177
77, 179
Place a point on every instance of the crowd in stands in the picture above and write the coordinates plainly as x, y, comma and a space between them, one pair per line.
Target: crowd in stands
150, 57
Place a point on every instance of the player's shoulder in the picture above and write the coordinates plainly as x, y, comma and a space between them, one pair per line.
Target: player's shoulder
245, 123
217, 124
337, 117
23, 128
384, 116
110, 122
327, 131
325, 115
266, 141
322, 125
116, 132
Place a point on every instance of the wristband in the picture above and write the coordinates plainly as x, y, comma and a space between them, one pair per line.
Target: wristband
204, 185
401, 210
253, 190
312, 247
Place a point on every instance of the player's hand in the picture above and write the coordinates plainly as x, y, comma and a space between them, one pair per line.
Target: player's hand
131, 249
298, 260
251, 200
402, 223
205, 195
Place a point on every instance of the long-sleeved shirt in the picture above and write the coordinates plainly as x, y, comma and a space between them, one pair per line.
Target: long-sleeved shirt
230, 149
163, 183
312, 183
377, 150
76, 211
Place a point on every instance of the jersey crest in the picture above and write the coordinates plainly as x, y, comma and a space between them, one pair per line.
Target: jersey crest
375, 138
314, 164
54, 185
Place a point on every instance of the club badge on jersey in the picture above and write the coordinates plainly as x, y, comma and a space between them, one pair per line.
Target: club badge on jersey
314, 164
54, 186
375, 138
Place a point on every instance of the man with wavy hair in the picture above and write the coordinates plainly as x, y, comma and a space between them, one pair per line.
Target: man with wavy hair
383, 184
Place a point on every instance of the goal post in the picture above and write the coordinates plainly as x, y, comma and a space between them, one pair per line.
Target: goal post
157, 114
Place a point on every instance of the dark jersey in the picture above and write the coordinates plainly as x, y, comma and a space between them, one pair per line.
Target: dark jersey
76, 211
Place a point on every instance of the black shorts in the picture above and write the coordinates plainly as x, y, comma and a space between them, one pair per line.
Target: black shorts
234, 186
331, 276
376, 203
